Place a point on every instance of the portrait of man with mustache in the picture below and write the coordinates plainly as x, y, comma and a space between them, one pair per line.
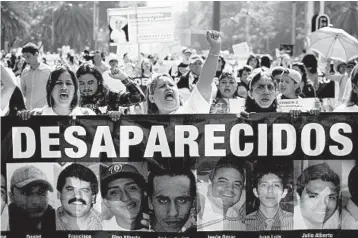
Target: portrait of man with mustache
77, 188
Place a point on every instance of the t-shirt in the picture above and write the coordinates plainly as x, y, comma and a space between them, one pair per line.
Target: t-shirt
196, 103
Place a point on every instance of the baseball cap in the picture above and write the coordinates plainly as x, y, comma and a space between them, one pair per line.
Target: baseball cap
116, 171
187, 50
194, 58
112, 57
293, 74
29, 174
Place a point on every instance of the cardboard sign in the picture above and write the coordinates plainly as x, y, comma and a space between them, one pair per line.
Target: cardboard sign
242, 50
301, 104
140, 25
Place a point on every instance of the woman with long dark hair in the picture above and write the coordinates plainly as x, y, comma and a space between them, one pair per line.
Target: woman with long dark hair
352, 104
63, 96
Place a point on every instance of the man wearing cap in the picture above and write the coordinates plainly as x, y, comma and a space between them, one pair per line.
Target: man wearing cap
187, 82
289, 84
172, 195
115, 85
29, 210
77, 187
123, 192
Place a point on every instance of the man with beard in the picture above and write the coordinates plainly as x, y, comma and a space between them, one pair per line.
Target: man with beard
318, 189
270, 188
29, 210
223, 208
123, 192
77, 188
171, 197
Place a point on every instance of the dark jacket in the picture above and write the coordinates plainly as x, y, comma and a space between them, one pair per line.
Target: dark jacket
184, 81
20, 222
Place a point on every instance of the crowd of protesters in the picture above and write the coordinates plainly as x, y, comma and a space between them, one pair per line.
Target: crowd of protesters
95, 84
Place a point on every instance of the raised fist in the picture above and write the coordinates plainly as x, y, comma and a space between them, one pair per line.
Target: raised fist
117, 73
214, 39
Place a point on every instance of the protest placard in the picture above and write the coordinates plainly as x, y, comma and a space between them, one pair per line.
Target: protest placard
140, 25
242, 50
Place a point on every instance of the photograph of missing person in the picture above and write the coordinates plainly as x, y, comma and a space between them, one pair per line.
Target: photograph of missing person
4, 201
172, 196
269, 196
221, 194
31, 196
349, 188
124, 193
77, 188
118, 28
317, 194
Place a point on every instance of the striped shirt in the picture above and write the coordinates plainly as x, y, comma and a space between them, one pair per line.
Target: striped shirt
257, 221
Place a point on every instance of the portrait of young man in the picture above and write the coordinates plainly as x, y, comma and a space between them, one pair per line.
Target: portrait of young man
171, 196
350, 211
270, 187
318, 195
29, 210
77, 188
222, 205
123, 190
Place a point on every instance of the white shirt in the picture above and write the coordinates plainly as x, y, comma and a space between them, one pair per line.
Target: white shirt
114, 85
33, 85
77, 111
350, 216
111, 225
299, 224
196, 103
208, 220
346, 108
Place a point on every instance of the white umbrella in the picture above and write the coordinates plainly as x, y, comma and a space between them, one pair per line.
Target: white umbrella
334, 43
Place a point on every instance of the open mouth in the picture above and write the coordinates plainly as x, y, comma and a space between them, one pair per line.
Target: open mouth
265, 99
169, 96
63, 96
226, 90
78, 203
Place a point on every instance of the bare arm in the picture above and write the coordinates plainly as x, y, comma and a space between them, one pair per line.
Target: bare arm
209, 69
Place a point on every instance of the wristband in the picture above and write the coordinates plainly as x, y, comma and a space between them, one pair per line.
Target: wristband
213, 54
126, 81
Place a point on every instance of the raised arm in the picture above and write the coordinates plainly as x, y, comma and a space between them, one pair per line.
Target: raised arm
132, 96
209, 68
